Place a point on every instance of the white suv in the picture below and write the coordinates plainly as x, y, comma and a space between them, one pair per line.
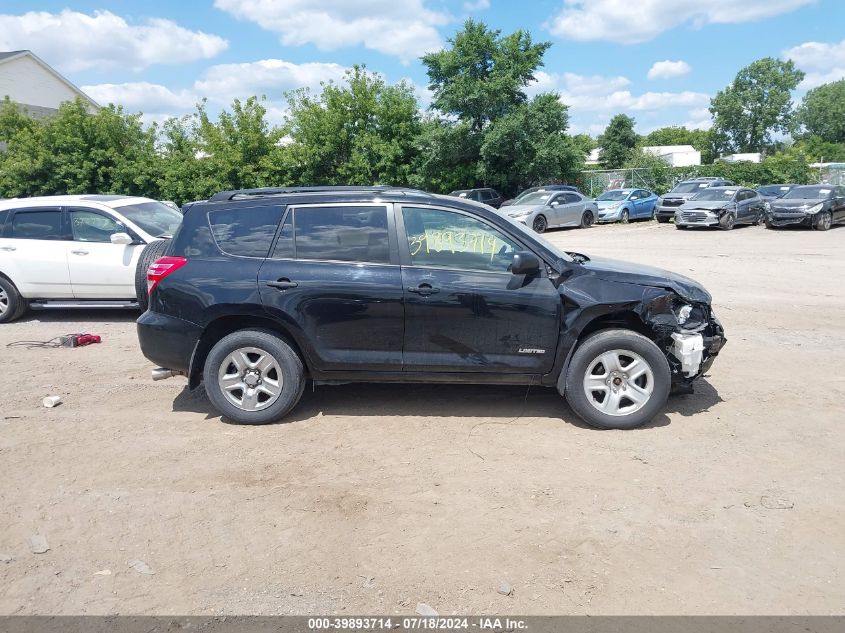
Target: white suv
69, 251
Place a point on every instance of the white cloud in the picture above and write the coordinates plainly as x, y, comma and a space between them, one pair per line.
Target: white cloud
478, 5
668, 69
629, 22
270, 77
822, 62
402, 28
74, 41
142, 96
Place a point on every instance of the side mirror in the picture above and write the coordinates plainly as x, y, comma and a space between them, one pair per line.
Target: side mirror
121, 238
554, 203
525, 263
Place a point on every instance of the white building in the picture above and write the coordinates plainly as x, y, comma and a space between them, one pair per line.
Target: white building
674, 155
30, 82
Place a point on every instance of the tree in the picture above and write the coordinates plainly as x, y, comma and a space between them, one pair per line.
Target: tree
617, 142
361, 132
79, 152
483, 75
822, 112
528, 146
756, 104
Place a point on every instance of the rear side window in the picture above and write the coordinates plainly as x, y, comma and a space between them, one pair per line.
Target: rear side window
245, 231
342, 233
36, 224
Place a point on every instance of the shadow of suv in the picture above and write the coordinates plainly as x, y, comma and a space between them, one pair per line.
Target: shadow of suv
260, 290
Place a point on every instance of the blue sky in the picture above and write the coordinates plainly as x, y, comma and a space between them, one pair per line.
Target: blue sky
656, 60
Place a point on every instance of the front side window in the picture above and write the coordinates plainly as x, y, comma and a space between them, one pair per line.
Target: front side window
90, 226
342, 233
571, 198
245, 231
446, 239
36, 224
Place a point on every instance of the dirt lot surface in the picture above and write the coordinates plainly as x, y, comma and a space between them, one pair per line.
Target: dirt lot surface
373, 498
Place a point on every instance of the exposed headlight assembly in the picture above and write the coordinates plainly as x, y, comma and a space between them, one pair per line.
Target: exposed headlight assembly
683, 313
815, 208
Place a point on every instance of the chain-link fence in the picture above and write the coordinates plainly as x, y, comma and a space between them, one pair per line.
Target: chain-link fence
832, 174
594, 182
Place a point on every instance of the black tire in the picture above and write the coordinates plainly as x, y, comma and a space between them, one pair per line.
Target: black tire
12, 304
768, 224
727, 222
587, 219
626, 216
823, 221
290, 369
540, 224
661, 220
680, 227
151, 252
607, 341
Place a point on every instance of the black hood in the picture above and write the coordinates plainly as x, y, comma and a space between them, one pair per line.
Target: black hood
626, 272
796, 203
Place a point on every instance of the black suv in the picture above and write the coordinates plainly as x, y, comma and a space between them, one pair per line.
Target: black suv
260, 290
485, 195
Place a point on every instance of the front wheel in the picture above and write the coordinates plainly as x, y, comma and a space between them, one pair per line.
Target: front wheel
617, 379
626, 217
539, 224
824, 221
587, 219
727, 222
253, 377
660, 219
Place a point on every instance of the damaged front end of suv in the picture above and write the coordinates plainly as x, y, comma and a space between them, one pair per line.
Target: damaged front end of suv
671, 310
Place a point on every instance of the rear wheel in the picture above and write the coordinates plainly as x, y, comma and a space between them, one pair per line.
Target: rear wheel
12, 304
253, 377
824, 221
617, 379
587, 219
539, 224
151, 252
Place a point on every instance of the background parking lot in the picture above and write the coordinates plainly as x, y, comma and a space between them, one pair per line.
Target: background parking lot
373, 498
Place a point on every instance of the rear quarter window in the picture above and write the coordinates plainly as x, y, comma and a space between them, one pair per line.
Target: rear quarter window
245, 231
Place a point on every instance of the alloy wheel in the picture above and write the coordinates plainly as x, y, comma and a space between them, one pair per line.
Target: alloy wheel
4, 301
618, 382
250, 378
539, 225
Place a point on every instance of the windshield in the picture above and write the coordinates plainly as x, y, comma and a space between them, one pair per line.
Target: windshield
716, 194
539, 197
616, 194
809, 193
154, 218
774, 190
689, 187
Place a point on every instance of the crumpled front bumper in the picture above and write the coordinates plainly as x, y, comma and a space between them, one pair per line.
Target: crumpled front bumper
694, 352
788, 219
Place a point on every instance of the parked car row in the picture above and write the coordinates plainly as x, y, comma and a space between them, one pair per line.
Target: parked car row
704, 202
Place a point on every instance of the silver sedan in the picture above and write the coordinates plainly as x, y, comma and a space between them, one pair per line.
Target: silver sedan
549, 209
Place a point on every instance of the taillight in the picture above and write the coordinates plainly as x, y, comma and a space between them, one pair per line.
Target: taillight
161, 268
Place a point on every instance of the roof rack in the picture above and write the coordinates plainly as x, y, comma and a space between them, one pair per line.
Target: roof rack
243, 194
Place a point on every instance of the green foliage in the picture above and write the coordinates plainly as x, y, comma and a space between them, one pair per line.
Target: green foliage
79, 152
359, 133
822, 112
617, 142
756, 104
482, 76
819, 150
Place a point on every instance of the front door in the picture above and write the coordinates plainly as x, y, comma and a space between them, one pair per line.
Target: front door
99, 269
464, 310
334, 272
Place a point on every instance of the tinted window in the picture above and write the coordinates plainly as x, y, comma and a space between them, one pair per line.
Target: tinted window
3, 214
453, 240
90, 226
487, 195
284, 245
41, 224
341, 233
247, 232
153, 217
571, 198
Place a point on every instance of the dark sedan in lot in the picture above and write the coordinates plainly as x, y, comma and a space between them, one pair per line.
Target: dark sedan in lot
815, 206
722, 207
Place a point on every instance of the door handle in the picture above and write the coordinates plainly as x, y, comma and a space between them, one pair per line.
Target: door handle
424, 290
79, 252
8, 248
282, 284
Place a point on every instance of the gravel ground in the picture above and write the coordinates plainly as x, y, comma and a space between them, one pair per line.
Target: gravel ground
373, 498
